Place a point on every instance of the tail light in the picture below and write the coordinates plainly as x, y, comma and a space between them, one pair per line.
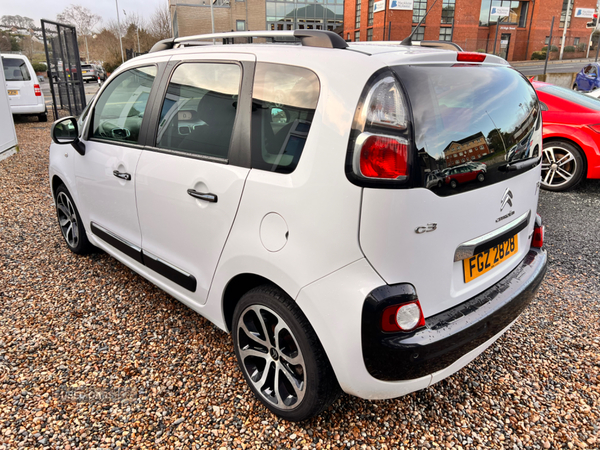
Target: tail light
470, 57
405, 317
37, 90
379, 150
538, 233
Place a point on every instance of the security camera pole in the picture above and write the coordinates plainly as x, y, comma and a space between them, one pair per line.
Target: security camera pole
119, 25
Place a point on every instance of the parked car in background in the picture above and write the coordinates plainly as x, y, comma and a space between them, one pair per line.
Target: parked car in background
588, 78
101, 72
462, 174
281, 190
571, 136
89, 72
24, 92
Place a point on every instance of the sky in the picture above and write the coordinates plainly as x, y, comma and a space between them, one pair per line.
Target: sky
48, 9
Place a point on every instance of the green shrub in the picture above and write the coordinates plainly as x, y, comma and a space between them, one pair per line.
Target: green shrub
581, 47
538, 55
110, 66
37, 67
553, 48
569, 48
481, 50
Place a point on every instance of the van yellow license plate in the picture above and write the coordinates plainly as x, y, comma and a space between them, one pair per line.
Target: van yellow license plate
477, 265
13, 92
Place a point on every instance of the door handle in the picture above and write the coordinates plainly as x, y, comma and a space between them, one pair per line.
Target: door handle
121, 175
203, 196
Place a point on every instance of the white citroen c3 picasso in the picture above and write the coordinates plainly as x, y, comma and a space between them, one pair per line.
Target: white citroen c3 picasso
284, 192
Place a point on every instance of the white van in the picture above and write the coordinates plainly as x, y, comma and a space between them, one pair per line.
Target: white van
24, 92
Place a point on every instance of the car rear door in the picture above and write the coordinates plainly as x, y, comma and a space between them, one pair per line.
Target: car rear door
432, 237
189, 182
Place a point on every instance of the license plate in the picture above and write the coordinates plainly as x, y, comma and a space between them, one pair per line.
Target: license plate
485, 261
85, 71
13, 92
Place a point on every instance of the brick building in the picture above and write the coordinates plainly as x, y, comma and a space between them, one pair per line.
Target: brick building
471, 24
192, 17
471, 148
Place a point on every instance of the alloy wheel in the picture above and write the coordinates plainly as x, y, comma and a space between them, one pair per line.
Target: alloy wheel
271, 357
67, 219
559, 166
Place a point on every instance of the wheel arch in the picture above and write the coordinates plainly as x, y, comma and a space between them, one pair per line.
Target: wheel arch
56, 182
236, 288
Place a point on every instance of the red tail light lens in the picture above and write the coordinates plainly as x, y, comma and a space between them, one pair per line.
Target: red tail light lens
383, 157
538, 233
470, 57
37, 90
406, 317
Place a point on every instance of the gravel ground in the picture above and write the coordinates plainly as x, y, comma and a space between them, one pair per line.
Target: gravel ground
93, 356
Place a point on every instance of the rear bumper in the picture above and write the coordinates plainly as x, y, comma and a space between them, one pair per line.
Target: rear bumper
28, 109
450, 335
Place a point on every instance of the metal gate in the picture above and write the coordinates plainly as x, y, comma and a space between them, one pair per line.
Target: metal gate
64, 69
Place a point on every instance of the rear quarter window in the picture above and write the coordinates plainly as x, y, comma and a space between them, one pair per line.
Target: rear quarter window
284, 100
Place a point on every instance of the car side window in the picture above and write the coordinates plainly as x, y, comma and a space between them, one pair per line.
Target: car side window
199, 109
120, 109
284, 100
592, 71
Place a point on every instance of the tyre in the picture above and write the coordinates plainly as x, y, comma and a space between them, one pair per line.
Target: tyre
280, 356
563, 166
453, 184
480, 177
70, 222
43, 117
575, 88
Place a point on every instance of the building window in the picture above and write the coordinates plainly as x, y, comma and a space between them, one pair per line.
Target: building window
370, 34
357, 22
298, 15
240, 25
563, 14
419, 10
576, 41
517, 12
420, 33
370, 16
448, 11
547, 40
446, 34
356, 36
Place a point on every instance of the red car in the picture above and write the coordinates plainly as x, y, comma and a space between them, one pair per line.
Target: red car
571, 136
464, 173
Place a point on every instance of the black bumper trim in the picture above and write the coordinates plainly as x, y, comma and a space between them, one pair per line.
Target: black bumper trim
451, 334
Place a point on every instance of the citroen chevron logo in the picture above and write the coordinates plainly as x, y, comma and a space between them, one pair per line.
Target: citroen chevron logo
506, 199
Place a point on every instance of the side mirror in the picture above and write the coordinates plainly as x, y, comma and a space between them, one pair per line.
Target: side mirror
65, 131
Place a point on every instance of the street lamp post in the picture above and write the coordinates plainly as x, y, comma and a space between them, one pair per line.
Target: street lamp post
119, 26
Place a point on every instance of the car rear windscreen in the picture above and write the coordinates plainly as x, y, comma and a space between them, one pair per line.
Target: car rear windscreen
15, 69
469, 120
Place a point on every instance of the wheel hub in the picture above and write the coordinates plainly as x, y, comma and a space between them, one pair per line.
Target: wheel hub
274, 354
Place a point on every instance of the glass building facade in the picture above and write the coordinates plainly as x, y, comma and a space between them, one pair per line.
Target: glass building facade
305, 14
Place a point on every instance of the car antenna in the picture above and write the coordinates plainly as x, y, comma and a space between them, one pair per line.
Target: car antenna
408, 40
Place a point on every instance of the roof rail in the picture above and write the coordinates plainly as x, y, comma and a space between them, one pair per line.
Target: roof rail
308, 38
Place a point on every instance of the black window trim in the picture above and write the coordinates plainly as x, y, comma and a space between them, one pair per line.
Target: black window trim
239, 146
147, 115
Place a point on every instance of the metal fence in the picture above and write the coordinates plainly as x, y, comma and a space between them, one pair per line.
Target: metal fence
64, 69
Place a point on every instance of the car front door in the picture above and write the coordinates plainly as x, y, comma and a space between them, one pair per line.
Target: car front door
105, 174
190, 182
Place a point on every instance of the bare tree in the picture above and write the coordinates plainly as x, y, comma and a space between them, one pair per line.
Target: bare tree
80, 16
160, 23
17, 21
